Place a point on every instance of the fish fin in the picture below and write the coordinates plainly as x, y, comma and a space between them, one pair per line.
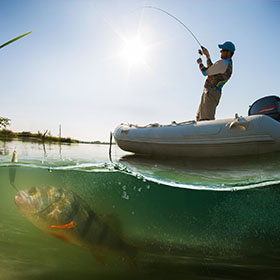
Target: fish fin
99, 258
60, 237
66, 226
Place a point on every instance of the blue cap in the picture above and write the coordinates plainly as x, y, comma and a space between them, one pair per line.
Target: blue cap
227, 46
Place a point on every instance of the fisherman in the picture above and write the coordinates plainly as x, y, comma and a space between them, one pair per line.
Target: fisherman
216, 76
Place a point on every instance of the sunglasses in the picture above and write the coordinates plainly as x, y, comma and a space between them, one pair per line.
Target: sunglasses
223, 50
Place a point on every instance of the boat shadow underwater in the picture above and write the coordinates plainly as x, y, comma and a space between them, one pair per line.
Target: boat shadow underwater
228, 208
220, 173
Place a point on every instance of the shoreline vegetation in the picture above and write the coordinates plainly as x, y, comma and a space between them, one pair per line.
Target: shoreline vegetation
46, 137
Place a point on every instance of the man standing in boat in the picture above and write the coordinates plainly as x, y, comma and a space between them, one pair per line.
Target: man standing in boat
216, 76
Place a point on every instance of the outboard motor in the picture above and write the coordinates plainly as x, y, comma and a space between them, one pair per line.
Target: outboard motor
269, 105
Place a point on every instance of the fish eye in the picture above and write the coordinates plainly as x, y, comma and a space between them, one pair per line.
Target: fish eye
32, 191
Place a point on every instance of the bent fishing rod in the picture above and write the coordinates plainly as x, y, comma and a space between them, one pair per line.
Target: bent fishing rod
179, 21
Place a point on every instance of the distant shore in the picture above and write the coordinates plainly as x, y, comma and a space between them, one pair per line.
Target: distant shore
9, 135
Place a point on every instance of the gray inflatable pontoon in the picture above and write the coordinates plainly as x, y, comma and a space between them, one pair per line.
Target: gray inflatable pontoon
229, 137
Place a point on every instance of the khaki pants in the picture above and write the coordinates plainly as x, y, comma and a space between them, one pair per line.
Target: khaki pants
209, 101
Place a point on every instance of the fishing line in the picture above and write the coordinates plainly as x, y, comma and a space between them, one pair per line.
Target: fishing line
156, 8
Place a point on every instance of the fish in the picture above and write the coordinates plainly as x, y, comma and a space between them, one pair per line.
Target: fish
65, 215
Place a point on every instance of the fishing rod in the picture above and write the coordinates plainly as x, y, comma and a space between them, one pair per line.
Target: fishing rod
156, 8
15, 39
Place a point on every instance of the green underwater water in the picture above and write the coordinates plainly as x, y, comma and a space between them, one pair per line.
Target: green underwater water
185, 226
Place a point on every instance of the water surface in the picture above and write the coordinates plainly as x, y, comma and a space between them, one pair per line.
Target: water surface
189, 219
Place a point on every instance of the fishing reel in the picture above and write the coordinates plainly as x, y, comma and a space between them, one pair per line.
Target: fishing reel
200, 51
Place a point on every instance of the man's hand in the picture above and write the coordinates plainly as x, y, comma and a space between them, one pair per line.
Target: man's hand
205, 52
199, 61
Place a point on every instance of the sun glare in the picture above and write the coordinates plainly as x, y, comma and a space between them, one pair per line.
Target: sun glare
134, 51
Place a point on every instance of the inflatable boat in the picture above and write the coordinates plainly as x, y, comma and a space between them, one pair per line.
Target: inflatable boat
257, 133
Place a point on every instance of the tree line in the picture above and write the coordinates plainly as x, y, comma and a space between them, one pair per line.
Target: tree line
46, 136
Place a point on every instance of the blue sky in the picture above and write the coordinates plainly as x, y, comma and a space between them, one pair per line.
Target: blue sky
73, 70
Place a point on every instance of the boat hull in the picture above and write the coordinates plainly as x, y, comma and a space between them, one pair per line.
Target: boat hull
231, 137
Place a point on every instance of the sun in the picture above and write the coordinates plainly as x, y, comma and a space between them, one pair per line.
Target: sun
134, 51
